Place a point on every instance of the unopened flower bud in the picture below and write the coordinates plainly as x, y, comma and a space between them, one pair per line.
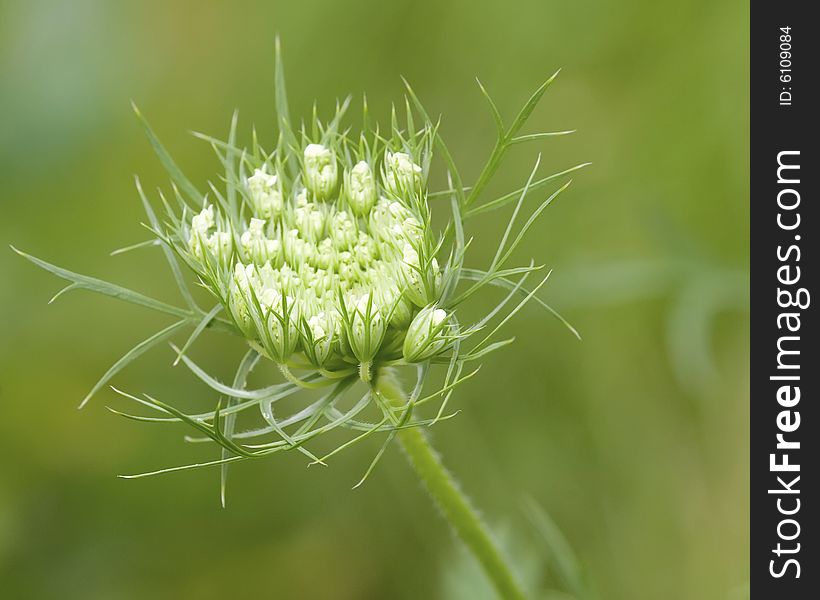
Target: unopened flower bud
360, 188
310, 220
365, 326
256, 244
426, 335
266, 196
401, 175
343, 230
321, 171
202, 222
238, 301
320, 332
422, 281
282, 323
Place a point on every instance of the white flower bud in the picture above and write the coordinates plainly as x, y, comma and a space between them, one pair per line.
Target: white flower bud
237, 301
326, 254
399, 309
320, 336
422, 281
360, 188
282, 326
310, 220
365, 326
401, 175
202, 222
256, 244
426, 336
343, 230
220, 244
266, 196
365, 250
321, 171
297, 250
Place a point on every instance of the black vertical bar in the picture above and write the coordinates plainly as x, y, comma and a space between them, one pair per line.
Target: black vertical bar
784, 222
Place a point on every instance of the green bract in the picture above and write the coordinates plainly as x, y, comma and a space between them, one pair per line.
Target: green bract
321, 253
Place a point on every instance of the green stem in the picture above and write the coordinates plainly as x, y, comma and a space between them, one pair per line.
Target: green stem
453, 503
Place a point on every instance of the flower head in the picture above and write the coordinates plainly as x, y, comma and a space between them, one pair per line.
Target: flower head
333, 273
326, 261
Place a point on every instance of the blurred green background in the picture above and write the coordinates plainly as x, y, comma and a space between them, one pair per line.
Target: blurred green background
634, 440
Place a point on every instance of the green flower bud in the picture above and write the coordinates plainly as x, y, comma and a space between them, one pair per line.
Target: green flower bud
237, 301
257, 245
400, 174
320, 332
310, 220
265, 194
365, 250
207, 246
422, 279
365, 326
401, 309
321, 171
282, 324
343, 230
427, 335
360, 189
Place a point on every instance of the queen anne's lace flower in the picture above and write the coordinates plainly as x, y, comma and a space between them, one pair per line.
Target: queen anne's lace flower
321, 253
331, 272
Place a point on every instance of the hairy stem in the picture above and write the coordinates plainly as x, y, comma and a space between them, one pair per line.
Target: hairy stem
448, 496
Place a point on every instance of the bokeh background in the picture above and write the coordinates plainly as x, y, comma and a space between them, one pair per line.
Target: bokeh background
633, 440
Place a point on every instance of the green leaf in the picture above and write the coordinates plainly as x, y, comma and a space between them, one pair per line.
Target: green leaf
536, 213
230, 167
177, 176
203, 323
530, 105
479, 275
499, 122
562, 559
447, 388
183, 468
220, 387
133, 354
421, 376
510, 197
539, 136
515, 214
475, 355
105, 288
246, 365
145, 244
282, 111
166, 249
509, 316
267, 414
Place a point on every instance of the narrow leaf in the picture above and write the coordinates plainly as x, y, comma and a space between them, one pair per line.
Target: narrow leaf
174, 171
